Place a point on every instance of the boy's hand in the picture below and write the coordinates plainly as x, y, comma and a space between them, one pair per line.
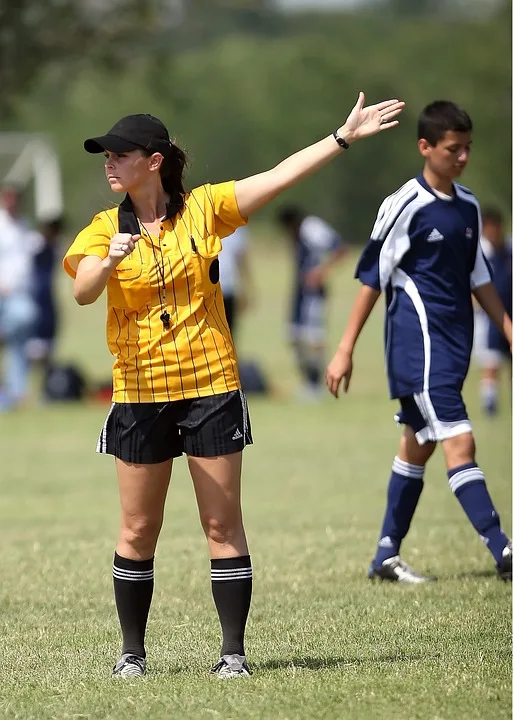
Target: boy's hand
340, 367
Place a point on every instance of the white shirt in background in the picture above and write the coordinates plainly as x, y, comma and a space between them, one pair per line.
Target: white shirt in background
233, 247
16, 254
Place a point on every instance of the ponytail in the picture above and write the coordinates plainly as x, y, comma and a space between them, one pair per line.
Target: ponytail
172, 177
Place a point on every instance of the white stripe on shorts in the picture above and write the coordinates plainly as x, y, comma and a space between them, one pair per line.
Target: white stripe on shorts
435, 429
101, 446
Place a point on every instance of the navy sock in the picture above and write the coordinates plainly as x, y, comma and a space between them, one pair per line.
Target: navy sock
403, 493
468, 485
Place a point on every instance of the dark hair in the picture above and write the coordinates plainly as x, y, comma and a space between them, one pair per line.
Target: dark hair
290, 215
492, 214
172, 174
440, 117
53, 225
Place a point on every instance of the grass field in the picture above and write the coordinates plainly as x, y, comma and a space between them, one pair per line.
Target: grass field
324, 643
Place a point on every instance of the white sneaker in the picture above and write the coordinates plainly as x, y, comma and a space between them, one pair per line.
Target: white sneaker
129, 666
231, 666
395, 570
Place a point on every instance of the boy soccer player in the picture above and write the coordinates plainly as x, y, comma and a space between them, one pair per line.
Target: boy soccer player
425, 254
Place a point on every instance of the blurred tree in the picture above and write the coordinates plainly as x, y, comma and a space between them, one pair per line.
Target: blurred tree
56, 36
240, 100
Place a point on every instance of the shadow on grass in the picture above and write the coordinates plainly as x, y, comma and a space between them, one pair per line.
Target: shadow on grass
302, 663
473, 575
313, 663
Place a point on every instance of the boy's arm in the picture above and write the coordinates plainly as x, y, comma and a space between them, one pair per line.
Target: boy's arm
341, 364
488, 298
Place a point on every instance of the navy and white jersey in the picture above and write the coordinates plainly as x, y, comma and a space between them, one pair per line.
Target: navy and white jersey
425, 253
315, 240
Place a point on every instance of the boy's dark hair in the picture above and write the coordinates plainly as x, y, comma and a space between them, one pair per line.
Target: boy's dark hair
290, 215
492, 214
440, 117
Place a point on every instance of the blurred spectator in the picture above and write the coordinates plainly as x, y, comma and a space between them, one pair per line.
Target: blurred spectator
317, 248
41, 344
17, 307
235, 276
491, 348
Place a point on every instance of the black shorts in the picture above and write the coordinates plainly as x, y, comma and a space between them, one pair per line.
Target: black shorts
144, 433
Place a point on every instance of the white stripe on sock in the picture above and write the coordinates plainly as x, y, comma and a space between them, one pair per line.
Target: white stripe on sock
407, 469
231, 574
466, 476
132, 575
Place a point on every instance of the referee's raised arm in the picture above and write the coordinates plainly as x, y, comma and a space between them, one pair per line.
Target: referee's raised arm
255, 192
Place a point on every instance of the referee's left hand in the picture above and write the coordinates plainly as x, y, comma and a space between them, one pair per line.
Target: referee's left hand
365, 121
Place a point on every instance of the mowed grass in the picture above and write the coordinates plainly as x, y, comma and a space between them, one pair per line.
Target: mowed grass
322, 640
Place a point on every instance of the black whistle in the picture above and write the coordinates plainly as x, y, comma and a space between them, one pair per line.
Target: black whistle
165, 319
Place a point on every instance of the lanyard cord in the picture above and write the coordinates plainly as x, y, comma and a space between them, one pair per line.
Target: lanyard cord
164, 316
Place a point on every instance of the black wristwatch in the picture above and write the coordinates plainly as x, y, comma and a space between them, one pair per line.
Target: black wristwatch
340, 141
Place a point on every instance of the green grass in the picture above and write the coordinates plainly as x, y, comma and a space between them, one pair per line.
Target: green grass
323, 641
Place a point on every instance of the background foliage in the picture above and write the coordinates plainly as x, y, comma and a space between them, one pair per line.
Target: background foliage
242, 85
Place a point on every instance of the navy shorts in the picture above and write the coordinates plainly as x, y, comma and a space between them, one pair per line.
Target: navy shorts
436, 414
146, 433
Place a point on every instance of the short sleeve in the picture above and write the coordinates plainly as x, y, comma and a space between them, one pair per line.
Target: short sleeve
481, 273
390, 240
92, 240
224, 205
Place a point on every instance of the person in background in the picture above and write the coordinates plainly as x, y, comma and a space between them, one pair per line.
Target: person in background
235, 276
17, 307
176, 384
317, 249
491, 348
40, 346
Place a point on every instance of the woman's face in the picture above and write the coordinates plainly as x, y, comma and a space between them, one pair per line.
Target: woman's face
126, 172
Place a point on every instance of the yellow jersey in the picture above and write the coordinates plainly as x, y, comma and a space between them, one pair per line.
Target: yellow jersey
193, 354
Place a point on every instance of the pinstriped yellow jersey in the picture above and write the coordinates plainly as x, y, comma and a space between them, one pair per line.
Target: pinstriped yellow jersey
194, 356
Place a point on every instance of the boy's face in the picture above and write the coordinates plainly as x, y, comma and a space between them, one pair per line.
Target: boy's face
448, 158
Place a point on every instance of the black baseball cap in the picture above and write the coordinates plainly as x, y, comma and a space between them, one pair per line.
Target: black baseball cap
132, 132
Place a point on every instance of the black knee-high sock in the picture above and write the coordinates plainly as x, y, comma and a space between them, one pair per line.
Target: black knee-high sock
231, 580
133, 589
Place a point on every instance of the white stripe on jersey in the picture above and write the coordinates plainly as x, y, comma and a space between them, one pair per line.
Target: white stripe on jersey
480, 274
391, 207
397, 242
401, 279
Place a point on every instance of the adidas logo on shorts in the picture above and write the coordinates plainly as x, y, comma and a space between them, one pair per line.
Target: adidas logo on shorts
237, 435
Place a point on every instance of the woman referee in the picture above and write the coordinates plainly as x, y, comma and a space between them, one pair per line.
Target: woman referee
176, 387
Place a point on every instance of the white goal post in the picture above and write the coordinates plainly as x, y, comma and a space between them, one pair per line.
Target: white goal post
26, 157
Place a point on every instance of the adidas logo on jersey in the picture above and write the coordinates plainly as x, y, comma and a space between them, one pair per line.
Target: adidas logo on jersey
237, 435
435, 236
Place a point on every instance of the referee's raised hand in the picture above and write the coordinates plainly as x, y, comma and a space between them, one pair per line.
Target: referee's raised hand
122, 244
366, 121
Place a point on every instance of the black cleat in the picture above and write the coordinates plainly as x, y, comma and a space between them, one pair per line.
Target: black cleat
231, 666
505, 566
129, 666
395, 570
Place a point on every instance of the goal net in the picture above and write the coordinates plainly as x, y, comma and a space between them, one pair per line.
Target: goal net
29, 161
